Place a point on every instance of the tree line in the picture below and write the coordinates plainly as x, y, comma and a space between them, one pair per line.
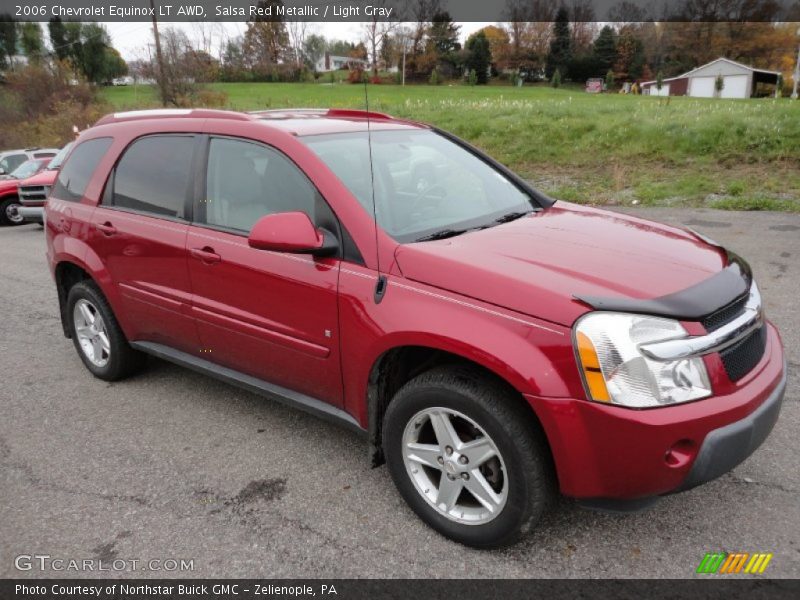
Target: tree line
85, 47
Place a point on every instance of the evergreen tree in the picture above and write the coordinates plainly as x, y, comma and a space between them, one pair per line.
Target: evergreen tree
479, 56
560, 53
58, 38
556, 79
444, 34
605, 49
8, 39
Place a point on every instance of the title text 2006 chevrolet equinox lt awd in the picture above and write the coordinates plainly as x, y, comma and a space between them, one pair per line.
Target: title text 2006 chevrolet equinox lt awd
493, 346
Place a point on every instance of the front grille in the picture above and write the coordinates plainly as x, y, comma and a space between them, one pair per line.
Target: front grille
724, 315
744, 355
33, 194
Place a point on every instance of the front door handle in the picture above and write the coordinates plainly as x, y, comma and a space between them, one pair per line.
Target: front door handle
206, 254
105, 228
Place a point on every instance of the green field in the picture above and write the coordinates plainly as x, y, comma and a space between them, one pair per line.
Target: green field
604, 149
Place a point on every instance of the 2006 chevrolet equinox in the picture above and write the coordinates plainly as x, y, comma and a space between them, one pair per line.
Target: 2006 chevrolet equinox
493, 345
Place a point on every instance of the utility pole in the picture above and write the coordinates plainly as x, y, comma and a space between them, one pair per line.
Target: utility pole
162, 82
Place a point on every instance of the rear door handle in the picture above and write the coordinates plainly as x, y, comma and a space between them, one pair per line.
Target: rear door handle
105, 228
206, 254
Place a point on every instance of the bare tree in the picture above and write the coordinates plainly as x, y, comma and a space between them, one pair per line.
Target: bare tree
298, 31
375, 32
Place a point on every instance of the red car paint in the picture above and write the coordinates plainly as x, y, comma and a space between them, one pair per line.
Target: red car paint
501, 298
8, 187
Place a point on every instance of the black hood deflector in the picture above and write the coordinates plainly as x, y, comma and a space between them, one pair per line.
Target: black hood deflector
691, 304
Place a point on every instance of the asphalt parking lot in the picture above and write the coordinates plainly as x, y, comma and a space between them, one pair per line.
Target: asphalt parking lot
174, 465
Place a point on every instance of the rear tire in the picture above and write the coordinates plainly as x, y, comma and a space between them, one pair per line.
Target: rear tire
7, 207
97, 335
445, 477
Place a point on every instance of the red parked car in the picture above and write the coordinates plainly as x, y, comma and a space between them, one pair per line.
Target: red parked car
33, 191
9, 197
493, 346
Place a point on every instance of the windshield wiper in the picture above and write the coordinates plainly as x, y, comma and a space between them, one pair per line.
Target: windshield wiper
512, 216
441, 235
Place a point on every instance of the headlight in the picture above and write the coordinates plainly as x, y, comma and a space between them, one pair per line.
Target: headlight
615, 371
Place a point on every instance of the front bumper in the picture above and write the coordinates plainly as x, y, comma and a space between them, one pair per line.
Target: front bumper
31, 214
609, 452
726, 447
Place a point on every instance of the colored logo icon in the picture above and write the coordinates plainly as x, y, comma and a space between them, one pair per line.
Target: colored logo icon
727, 563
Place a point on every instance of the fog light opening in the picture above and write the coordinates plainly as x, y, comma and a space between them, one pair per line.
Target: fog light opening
680, 454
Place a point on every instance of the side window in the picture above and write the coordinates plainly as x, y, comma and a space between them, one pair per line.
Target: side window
247, 181
77, 171
153, 175
9, 163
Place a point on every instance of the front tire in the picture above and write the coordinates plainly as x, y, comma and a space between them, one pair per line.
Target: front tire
97, 335
9, 212
467, 457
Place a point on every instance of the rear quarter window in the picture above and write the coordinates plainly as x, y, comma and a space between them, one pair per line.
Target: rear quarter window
77, 171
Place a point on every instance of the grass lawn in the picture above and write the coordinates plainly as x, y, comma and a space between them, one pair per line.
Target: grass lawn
603, 149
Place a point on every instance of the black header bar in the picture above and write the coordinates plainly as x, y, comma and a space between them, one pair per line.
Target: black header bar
401, 10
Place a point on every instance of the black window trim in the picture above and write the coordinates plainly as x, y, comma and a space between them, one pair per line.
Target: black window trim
107, 198
92, 175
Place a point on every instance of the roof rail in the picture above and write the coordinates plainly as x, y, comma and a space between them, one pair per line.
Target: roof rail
284, 111
345, 113
171, 113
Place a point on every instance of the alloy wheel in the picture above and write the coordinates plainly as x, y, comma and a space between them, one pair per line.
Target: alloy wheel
455, 466
92, 334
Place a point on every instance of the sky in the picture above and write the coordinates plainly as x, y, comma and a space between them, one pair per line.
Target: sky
131, 39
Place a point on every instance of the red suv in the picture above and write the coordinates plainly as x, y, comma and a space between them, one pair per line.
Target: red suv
492, 345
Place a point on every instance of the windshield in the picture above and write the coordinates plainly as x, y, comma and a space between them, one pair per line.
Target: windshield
425, 185
58, 159
27, 169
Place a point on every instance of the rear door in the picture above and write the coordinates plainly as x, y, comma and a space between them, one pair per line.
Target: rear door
268, 314
139, 231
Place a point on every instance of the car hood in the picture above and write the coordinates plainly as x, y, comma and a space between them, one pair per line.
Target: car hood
8, 185
537, 264
42, 178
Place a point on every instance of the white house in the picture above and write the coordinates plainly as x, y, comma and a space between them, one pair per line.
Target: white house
331, 62
738, 81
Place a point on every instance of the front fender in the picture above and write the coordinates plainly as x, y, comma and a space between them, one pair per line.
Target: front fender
528, 353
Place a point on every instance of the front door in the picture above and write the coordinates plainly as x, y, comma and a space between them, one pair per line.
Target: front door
271, 315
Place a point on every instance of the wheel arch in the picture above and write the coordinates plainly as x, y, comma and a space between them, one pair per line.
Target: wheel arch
68, 273
69, 270
394, 367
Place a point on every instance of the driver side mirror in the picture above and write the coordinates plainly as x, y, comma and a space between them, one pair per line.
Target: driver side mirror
2, 171
291, 232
